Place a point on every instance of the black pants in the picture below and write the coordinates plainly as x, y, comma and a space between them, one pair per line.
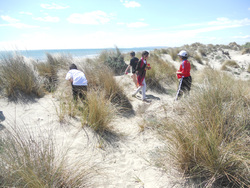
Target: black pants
79, 91
185, 86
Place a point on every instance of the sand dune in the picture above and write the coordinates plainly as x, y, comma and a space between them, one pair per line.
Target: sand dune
125, 160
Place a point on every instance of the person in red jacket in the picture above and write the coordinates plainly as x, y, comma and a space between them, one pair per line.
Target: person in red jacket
184, 75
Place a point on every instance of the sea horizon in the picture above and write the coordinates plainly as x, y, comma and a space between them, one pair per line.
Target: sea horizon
40, 55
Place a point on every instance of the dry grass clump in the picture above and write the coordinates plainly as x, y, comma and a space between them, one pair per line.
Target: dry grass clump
202, 51
229, 63
98, 111
48, 70
161, 71
173, 53
246, 51
211, 140
30, 160
101, 77
18, 78
198, 59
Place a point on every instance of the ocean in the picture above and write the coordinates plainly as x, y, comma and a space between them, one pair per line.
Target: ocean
40, 55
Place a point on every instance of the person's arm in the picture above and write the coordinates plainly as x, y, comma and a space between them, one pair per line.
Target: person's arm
127, 69
69, 77
180, 71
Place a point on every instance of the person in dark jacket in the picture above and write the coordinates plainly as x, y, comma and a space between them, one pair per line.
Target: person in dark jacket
133, 63
141, 69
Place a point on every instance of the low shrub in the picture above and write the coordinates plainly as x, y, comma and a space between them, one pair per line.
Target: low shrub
18, 78
114, 60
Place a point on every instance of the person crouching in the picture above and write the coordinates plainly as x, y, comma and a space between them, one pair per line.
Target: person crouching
78, 81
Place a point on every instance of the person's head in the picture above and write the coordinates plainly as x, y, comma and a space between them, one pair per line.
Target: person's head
132, 54
72, 66
144, 54
183, 54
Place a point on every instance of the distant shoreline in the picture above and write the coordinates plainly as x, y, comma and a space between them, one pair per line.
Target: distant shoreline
75, 53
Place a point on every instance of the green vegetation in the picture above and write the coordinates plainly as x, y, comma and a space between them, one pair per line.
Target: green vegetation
209, 141
247, 45
114, 60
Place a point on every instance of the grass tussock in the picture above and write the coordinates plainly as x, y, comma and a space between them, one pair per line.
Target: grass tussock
246, 51
18, 78
229, 63
173, 53
29, 160
210, 141
98, 111
49, 69
160, 72
248, 69
101, 77
198, 59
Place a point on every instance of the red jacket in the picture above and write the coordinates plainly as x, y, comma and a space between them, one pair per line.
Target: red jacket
185, 68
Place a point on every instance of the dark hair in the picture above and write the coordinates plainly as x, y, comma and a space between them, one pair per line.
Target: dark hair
145, 53
184, 58
72, 66
132, 53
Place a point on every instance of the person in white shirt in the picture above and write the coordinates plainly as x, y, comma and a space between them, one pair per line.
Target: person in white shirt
78, 81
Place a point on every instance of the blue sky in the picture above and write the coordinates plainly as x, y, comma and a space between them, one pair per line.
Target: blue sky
61, 24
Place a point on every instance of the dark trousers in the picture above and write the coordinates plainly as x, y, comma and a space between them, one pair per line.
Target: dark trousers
79, 91
185, 86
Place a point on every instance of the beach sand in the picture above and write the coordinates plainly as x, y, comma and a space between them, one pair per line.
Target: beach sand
126, 158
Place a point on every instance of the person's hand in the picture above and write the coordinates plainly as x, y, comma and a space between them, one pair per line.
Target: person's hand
126, 73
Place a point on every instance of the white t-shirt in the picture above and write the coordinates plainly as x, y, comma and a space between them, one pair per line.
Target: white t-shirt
78, 77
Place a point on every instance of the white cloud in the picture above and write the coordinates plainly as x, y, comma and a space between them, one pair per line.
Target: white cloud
218, 24
242, 37
27, 13
120, 23
15, 23
53, 6
19, 25
137, 24
130, 4
90, 18
9, 19
48, 19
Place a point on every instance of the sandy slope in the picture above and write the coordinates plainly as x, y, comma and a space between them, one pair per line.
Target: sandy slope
125, 160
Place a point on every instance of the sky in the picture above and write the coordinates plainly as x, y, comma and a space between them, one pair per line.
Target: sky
85, 24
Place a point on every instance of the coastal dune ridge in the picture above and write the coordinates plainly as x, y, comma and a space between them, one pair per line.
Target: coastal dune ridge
112, 139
